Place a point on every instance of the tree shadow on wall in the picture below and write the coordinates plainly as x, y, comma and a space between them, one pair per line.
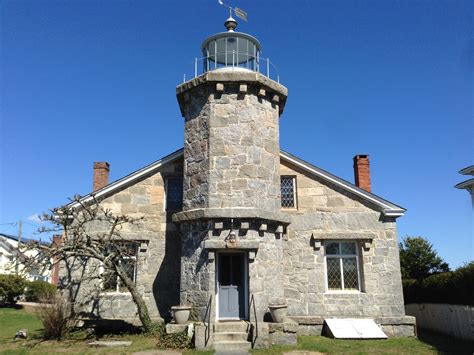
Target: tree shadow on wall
166, 283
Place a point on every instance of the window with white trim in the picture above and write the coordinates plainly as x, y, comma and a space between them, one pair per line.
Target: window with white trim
342, 266
174, 193
110, 279
288, 191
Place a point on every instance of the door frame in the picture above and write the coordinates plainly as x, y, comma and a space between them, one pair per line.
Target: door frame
246, 284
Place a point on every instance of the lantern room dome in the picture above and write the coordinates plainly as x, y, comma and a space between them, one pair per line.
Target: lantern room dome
236, 51
231, 49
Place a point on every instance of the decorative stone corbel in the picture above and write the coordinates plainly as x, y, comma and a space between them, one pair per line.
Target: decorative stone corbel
262, 92
219, 225
245, 225
143, 247
243, 88
220, 87
279, 231
367, 244
211, 256
263, 227
316, 243
252, 255
276, 99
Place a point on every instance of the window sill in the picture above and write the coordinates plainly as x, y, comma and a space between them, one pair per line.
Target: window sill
114, 293
343, 292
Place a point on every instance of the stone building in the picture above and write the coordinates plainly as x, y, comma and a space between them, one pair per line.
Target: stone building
233, 224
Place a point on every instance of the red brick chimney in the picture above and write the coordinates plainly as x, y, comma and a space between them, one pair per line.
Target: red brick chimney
362, 171
101, 174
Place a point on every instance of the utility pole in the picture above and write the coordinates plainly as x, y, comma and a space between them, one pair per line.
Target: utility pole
20, 228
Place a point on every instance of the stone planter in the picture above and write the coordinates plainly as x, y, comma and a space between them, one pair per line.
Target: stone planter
278, 312
181, 314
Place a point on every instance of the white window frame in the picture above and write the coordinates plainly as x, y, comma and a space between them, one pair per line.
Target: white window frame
295, 200
341, 257
117, 287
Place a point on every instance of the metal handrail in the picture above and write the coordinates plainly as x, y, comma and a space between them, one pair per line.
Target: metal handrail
207, 330
254, 334
267, 64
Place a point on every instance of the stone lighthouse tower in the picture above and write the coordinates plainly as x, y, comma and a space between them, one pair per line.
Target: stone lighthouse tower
231, 226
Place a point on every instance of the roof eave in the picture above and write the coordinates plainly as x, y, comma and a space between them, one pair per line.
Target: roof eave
388, 209
468, 184
468, 170
125, 180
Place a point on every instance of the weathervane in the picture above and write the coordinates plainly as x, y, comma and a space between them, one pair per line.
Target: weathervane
238, 12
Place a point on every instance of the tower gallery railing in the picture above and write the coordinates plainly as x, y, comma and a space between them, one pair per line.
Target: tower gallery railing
234, 60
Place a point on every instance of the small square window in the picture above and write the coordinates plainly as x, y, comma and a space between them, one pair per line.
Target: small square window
174, 194
288, 192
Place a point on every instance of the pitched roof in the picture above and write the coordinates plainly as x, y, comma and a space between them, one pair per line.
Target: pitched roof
468, 184
387, 208
469, 170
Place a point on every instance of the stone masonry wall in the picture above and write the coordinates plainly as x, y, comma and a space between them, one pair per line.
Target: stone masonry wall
231, 149
198, 271
158, 256
327, 213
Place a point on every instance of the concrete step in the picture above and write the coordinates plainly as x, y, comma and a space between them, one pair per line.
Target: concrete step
231, 327
230, 336
231, 346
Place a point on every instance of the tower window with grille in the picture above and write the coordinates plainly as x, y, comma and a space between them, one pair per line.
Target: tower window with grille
342, 266
174, 194
288, 192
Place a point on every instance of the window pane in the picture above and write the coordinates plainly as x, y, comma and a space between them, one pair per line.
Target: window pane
334, 273
174, 194
130, 249
351, 281
110, 280
129, 267
348, 248
287, 192
332, 248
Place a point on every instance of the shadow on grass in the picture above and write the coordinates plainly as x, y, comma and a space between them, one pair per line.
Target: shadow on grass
445, 344
11, 306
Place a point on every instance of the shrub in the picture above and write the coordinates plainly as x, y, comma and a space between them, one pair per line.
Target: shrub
456, 287
54, 313
11, 286
171, 341
38, 290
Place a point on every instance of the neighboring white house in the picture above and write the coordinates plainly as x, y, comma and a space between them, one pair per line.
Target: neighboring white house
11, 264
469, 183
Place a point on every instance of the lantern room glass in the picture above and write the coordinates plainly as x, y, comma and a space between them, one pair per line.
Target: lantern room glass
231, 50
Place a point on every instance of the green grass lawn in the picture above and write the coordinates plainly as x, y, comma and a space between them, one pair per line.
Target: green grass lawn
12, 319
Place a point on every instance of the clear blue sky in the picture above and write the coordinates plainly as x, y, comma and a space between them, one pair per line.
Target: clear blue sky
93, 80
